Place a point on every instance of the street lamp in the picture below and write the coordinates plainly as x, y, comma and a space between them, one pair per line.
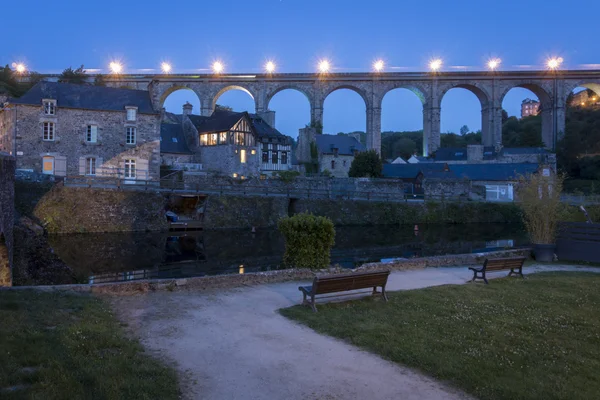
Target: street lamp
324, 66
493, 64
166, 67
435, 65
270, 67
218, 67
378, 65
20, 68
554, 63
115, 67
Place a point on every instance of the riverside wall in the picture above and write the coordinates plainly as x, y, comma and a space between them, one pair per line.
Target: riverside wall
7, 191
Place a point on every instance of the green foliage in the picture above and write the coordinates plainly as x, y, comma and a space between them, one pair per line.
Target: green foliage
312, 167
318, 126
77, 76
405, 147
287, 176
453, 140
525, 132
308, 241
540, 201
9, 83
464, 130
326, 173
366, 164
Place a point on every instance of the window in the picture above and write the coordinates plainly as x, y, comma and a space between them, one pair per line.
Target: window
130, 139
223, 138
203, 140
90, 166
243, 156
274, 157
92, 134
131, 114
499, 192
130, 169
344, 163
48, 165
332, 164
265, 146
49, 108
265, 157
174, 140
284, 156
212, 139
48, 130
239, 138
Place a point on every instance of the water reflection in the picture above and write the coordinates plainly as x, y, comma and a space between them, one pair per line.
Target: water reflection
131, 256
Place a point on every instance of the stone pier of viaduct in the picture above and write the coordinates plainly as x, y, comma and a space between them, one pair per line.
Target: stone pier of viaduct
551, 87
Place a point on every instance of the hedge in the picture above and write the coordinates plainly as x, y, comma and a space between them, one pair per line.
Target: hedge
308, 241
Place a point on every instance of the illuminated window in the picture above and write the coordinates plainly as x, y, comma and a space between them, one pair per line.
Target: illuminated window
48, 165
130, 136
49, 131
240, 138
90, 166
213, 139
223, 138
129, 169
92, 134
203, 140
131, 114
49, 107
243, 156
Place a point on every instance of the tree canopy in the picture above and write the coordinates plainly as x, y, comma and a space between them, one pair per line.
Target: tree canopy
366, 164
77, 76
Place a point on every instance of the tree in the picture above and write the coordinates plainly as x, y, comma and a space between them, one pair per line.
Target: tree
404, 148
464, 130
76, 76
504, 116
99, 80
366, 164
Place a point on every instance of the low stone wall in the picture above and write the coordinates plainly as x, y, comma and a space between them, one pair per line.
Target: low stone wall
68, 210
7, 192
244, 212
261, 278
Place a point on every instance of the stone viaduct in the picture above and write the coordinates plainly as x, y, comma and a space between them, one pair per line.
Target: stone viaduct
551, 87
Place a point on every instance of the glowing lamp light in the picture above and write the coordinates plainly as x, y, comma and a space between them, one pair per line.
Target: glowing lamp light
493, 64
554, 63
218, 67
115, 67
324, 66
166, 67
583, 103
270, 67
435, 65
20, 67
378, 65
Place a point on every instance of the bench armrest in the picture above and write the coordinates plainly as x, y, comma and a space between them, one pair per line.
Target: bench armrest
305, 289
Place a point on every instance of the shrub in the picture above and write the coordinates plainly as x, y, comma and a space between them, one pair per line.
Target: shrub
366, 164
287, 176
308, 241
539, 197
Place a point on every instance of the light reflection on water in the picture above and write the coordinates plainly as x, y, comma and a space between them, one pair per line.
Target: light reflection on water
111, 257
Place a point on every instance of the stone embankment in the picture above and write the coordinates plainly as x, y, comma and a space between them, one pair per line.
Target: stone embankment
7, 191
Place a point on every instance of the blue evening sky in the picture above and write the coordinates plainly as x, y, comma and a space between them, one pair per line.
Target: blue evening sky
49, 37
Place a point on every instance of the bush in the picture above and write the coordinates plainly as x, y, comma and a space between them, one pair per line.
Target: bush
308, 241
366, 164
288, 176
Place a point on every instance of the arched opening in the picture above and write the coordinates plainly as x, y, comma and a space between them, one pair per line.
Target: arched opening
578, 152
345, 112
526, 114
462, 119
290, 111
176, 98
235, 98
401, 124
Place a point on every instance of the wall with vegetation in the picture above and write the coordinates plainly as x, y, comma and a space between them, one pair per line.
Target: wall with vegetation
65, 209
7, 174
244, 212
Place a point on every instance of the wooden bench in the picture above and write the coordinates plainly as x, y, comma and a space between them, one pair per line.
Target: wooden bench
344, 283
515, 264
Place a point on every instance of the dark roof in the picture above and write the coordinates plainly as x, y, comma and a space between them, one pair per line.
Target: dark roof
524, 150
87, 97
450, 154
346, 145
410, 171
264, 130
219, 121
172, 139
493, 172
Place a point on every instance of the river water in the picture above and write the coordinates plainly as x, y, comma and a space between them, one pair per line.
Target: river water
112, 257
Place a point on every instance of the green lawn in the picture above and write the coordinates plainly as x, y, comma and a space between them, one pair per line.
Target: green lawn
68, 346
537, 338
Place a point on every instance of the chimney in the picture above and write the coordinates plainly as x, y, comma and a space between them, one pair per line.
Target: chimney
475, 153
187, 108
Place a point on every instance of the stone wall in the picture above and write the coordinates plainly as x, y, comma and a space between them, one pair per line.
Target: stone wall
67, 209
70, 148
447, 188
7, 173
341, 165
225, 212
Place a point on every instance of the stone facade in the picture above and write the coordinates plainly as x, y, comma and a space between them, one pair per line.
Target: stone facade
338, 165
7, 192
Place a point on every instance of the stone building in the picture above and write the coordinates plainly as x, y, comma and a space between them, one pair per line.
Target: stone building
64, 129
237, 144
529, 107
333, 153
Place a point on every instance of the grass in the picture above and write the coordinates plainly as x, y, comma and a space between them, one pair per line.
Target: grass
69, 346
537, 338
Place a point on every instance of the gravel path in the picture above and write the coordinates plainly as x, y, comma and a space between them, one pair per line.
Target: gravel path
234, 345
